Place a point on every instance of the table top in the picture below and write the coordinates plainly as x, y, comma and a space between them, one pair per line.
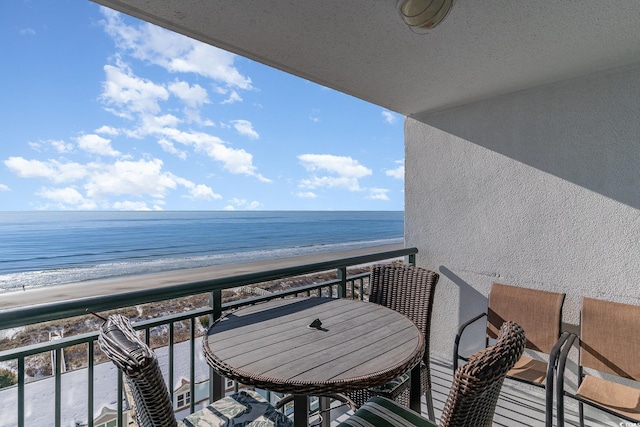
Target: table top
271, 346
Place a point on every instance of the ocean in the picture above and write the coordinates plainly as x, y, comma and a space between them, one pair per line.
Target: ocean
53, 248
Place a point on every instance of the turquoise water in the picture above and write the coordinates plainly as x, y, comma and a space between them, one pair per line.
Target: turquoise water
50, 248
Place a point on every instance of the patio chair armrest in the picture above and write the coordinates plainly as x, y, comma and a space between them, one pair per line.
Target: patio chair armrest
456, 344
561, 364
554, 356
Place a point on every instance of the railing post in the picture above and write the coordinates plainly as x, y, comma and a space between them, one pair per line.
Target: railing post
412, 259
216, 382
21, 392
171, 359
215, 301
57, 368
192, 375
90, 371
342, 286
120, 406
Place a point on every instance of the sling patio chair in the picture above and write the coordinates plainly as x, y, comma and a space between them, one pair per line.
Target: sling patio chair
410, 291
540, 315
473, 395
152, 402
608, 361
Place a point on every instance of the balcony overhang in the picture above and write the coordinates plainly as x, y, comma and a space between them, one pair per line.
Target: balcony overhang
363, 48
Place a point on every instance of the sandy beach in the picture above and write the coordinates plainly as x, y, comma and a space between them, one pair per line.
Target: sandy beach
34, 297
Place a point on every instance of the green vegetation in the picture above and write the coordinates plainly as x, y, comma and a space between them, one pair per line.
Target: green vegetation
7, 378
204, 321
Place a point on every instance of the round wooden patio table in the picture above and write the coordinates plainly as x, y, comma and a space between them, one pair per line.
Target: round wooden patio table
272, 346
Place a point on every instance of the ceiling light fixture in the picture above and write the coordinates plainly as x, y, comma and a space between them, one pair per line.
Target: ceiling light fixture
423, 15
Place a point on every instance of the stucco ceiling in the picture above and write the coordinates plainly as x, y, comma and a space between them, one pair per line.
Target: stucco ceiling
362, 48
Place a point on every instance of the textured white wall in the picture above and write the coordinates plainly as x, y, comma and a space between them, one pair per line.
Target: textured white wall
539, 188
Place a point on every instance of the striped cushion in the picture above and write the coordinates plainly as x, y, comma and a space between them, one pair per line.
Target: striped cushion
382, 412
245, 408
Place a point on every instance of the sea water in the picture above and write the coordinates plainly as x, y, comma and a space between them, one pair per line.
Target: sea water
53, 248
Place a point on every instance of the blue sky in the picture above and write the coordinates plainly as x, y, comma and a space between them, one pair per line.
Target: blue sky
101, 111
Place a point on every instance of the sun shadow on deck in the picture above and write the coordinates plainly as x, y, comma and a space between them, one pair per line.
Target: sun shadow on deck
519, 405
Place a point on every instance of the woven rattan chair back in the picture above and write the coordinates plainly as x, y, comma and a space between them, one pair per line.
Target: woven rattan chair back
139, 364
476, 385
538, 312
408, 290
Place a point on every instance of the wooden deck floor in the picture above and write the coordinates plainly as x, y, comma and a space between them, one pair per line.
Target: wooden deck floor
519, 405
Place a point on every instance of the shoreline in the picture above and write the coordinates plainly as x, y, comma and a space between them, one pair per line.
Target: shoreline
122, 285
39, 365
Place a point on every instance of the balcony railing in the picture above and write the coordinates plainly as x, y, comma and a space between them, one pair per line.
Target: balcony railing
23, 407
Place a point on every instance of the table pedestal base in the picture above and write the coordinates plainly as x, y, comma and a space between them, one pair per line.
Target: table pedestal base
300, 410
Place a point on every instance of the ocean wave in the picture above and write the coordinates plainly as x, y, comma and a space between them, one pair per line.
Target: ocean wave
58, 276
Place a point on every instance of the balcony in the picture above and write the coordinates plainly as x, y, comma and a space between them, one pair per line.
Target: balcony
63, 381
76, 387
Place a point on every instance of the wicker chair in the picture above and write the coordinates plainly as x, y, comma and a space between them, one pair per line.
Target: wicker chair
410, 291
473, 396
608, 345
152, 402
540, 315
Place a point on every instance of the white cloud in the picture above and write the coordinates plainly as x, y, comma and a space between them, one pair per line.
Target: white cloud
150, 125
132, 97
27, 31
202, 192
173, 51
314, 117
243, 204
171, 149
128, 205
398, 172
35, 146
377, 194
389, 117
51, 169
62, 147
344, 172
135, 96
96, 144
107, 130
193, 96
331, 182
4, 188
139, 178
245, 127
232, 98
66, 198
237, 161
125, 93
122, 183
306, 195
